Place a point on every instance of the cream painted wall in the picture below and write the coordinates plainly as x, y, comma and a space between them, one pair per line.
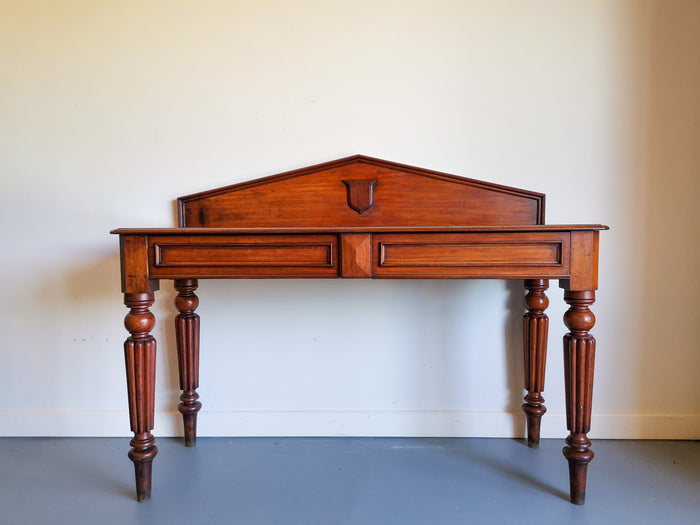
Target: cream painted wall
110, 110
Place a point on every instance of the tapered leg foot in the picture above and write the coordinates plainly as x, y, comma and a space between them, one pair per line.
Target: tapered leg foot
535, 330
187, 330
579, 360
578, 453
143, 480
533, 419
142, 454
190, 424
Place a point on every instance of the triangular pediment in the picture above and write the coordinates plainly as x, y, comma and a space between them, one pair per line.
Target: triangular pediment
361, 191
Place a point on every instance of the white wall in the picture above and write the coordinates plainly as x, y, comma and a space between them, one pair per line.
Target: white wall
110, 110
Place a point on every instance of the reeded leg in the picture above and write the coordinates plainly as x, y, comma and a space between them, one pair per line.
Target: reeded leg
579, 358
140, 354
536, 324
187, 329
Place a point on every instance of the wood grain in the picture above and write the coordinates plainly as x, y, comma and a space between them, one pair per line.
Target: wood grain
361, 217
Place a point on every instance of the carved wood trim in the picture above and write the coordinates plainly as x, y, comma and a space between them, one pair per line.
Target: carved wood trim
535, 332
356, 255
140, 357
187, 333
579, 360
360, 194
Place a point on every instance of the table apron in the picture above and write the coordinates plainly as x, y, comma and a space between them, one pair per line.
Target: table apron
499, 255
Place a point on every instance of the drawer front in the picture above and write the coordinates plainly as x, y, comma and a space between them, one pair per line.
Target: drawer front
473, 255
244, 256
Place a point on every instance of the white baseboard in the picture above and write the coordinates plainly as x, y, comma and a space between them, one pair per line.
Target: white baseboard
347, 423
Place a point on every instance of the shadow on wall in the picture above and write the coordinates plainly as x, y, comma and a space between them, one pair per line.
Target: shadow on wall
670, 165
92, 292
450, 354
65, 304
443, 343
333, 332
515, 364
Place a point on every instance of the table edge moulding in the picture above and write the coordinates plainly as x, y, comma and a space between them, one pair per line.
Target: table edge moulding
361, 217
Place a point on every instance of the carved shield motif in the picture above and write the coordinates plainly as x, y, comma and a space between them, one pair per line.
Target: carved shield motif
360, 194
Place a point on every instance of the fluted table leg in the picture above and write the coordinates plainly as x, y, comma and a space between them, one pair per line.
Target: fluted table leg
579, 359
536, 325
187, 330
140, 354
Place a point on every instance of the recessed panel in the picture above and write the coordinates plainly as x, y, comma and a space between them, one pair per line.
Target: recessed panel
245, 256
471, 255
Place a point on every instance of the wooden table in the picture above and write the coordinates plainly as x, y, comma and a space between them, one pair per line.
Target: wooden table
361, 217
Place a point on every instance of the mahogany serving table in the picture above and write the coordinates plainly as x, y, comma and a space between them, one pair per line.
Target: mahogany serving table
361, 217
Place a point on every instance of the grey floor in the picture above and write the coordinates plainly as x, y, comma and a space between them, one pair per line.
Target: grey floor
340, 481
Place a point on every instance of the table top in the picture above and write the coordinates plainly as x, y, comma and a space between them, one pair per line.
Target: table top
361, 229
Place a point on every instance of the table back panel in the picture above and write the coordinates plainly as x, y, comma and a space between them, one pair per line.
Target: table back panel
361, 191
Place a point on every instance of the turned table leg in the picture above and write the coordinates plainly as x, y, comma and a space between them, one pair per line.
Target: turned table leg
579, 358
187, 330
140, 354
536, 324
